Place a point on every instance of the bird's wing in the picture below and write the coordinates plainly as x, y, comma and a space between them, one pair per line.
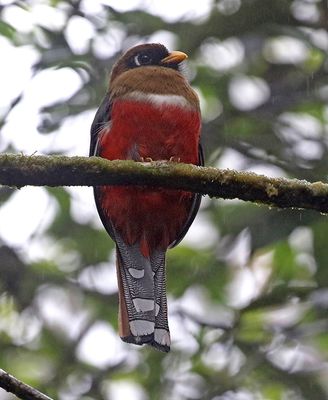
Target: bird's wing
102, 118
194, 207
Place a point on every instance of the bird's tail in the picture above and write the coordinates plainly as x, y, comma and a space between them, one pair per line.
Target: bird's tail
142, 297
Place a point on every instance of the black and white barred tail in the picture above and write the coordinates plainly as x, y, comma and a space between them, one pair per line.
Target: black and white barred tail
142, 297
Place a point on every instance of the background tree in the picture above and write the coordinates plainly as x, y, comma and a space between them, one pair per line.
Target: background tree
248, 288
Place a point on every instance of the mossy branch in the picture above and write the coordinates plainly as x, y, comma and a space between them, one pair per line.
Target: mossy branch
20, 389
20, 170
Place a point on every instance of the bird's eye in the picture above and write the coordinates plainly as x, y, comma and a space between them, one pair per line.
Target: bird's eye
142, 59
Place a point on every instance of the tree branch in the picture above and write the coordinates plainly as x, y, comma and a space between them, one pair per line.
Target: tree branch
20, 389
19, 170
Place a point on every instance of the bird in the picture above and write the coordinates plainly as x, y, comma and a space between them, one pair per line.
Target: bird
149, 113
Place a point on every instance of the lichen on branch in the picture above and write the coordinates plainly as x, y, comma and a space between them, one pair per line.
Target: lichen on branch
21, 170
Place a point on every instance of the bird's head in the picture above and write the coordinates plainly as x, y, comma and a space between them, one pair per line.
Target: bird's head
150, 69
146, 55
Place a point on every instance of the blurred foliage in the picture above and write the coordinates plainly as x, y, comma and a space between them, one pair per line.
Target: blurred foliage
248, 305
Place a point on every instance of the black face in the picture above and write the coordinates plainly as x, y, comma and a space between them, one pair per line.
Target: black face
149, 54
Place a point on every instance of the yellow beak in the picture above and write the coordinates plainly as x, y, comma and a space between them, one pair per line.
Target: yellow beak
175, 57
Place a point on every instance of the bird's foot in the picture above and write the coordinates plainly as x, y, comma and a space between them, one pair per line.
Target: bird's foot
146, 159
171, 159
174, 159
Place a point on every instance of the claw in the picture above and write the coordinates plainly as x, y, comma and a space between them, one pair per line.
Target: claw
174, 159
171, 159
145, 159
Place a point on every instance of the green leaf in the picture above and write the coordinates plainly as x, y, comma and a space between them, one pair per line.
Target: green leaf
7, 30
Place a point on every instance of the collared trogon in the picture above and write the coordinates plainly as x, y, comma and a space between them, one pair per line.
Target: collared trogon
149, 112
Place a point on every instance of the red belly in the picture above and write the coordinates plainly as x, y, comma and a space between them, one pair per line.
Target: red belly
152, 217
